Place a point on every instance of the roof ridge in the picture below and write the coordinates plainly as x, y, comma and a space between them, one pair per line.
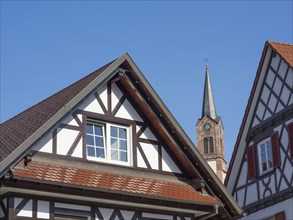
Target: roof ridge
277, 42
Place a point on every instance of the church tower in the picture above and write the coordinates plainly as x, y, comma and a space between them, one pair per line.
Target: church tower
210, 132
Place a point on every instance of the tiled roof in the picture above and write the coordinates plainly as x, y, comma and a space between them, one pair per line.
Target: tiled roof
19, 128
96, 180
285, 51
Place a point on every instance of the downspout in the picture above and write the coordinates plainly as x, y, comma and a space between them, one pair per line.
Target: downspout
215, 212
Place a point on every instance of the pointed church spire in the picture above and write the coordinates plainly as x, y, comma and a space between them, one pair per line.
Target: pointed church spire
208, 107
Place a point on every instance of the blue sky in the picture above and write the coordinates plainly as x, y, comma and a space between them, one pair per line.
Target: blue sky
47, 45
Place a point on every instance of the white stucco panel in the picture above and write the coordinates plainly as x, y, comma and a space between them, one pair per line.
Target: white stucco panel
147, 134
275, 62
168, 164
72, 206
151, 153
45, 144
116, 95
102, 92
156, 216
106, 213
43, 210
127, 214
27, 210
240, 197
251, 194
243, 175
289, 79
65, 139
282, 69
127, 111
78, 150
213, 165
91, 105
140, 161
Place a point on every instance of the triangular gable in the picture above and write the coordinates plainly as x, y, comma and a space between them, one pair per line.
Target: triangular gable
270, 95
178, 151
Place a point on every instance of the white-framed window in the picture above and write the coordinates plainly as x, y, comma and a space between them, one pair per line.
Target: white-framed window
108, 142
265, 155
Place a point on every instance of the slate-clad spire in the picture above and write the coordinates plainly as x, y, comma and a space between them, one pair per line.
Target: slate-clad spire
208, 107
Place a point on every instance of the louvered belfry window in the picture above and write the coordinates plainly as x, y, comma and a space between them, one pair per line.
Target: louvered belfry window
268, 156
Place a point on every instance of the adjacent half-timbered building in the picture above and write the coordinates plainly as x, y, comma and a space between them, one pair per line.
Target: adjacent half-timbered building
260, 175
106, 147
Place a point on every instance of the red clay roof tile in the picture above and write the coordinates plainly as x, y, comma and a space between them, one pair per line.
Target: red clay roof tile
118, 183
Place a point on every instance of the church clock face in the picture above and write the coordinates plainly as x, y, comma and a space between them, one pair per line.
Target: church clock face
207, 127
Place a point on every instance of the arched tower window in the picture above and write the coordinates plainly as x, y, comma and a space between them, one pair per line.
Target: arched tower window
211, 145
208, 145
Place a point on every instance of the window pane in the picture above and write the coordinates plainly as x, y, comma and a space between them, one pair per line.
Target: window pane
100, 152
89, 129
90, 140
114, 143
122, 133
114, 131
262, 148
123, 145
123, 156
270, 155
269, 145
98, 130
91, 151
99, 142
114, 154
263, 157
269, 164
264, 166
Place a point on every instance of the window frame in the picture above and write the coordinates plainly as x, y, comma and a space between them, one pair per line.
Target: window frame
259, 153
106, 126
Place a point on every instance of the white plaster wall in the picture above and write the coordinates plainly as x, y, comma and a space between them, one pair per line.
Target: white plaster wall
240, 197
91, 105
147, 134
243, 175
272, 210
168, 164
140, 161
72, 206
127, 111
213, 165
156, 216
116, 95
275, 62
106, 213
45, 144
43, 210
127, 214
283, 69
27, 210
102, 91
151, 153
65, 138
251, 195
78, 150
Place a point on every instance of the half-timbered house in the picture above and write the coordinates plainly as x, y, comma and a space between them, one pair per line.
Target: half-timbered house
106, 147
260, 175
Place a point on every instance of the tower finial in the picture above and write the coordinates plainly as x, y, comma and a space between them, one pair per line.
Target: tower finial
206, 59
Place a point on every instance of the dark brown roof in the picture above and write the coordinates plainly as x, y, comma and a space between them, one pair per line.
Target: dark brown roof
124, 184
284, 50
19, 128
